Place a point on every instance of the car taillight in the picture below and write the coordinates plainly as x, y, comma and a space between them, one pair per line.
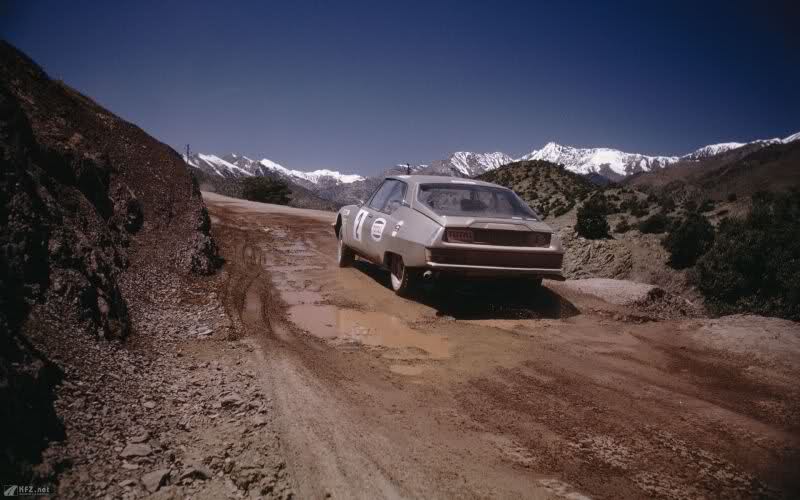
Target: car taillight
459, 236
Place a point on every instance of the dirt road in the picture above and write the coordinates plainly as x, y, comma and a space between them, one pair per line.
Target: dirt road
476, 393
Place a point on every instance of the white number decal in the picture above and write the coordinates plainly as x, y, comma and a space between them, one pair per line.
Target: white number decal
358, 224
377, 229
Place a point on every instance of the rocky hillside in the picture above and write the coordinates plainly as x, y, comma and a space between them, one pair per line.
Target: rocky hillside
94, 211
739, 172
548, 188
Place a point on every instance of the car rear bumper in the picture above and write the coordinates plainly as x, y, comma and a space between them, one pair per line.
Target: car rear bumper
495, 271
496, 262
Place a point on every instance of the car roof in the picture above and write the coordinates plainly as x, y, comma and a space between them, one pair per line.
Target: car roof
441, 179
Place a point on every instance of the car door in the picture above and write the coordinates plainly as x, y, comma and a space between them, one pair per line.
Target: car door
364, 218
380, 226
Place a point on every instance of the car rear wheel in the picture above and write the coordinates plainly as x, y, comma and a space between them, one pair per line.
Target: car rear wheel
401, 276
344, 255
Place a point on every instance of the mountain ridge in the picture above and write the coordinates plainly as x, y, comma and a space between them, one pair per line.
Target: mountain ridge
611, 163
600, 165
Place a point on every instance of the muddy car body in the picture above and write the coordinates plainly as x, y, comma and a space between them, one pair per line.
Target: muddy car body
426, 226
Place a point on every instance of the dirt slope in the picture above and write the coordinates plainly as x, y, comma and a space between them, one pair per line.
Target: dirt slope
479, 393
93, 211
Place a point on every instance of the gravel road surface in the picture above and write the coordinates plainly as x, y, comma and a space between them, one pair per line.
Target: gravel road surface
478, 392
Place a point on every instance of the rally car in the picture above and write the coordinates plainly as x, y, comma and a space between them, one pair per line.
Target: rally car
424, 227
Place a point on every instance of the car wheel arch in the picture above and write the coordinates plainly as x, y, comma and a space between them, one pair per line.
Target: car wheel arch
337, 227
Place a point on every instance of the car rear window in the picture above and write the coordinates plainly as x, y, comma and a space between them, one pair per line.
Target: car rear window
474, 200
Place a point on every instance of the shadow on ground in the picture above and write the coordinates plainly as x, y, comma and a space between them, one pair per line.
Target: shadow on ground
484, 299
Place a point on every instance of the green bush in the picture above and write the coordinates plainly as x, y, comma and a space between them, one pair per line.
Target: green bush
592, 223
635, 207
667, 204
266, 190
562, 209
754, 264
707, 205
655, 224
688, 240
622, 226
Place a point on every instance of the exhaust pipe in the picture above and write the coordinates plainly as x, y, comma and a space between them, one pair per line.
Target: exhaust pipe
427, 275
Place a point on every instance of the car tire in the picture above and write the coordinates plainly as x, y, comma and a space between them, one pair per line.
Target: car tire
401, 277
344, 254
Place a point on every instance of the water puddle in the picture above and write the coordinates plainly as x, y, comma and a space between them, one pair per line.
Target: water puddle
298, 297
368, 328
293, 269
410, 370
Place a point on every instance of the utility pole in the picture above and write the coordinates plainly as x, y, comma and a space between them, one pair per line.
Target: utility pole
187, 152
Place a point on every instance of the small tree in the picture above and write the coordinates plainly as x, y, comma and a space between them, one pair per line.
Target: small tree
622, 226
592, 223
688, 240
655, 224
266, 190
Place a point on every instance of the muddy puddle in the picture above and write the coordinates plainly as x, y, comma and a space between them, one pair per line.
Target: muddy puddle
343, 326
299, 297
409, 370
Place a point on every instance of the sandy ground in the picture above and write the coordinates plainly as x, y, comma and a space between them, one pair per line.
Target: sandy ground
477, 392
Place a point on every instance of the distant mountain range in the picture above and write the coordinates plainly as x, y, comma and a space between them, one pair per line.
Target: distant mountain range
597, 164
234, 166
616, 165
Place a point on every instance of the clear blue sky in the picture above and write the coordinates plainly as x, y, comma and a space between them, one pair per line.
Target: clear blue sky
359, 86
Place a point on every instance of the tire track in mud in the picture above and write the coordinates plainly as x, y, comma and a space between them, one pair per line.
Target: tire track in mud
262, 313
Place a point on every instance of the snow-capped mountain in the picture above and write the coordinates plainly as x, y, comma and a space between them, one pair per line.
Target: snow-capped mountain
215, 165
468, 164
608, 162
234, 166
715, 149
332, 185
615, 164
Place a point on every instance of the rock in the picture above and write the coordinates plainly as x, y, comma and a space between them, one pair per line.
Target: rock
259, 421
152, 481
196, 472
232, 400
140, 438
149, 405
129, 466
136, 450
127, 482
620, 292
